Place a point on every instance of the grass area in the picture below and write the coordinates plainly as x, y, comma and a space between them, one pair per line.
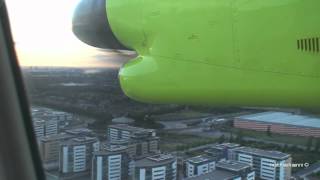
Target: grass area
304, 157
287, 139
172, 141
180, 115
315, 175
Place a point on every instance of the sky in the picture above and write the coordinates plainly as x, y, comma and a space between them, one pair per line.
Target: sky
43, 37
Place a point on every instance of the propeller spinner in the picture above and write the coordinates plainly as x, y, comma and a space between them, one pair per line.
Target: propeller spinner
90, 25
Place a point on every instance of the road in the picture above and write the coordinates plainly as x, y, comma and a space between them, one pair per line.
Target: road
314, 168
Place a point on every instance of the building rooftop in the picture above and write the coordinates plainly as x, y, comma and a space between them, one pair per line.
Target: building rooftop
160, 157
42, 111
133, 140
156, 160
79, 131
112, 148
120, 142
122, 120
130, 128
232, 165
283, 118
55, 137
199, 159
225, 145
264, 153
80, 140
215, 175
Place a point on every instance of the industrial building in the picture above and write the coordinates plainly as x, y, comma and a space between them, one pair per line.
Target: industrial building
161, 166
111, 163
281, 123
269, 165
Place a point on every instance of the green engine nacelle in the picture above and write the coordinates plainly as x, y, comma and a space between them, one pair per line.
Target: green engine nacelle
217, 52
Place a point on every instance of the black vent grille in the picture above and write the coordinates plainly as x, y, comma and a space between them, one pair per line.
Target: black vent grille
309, 44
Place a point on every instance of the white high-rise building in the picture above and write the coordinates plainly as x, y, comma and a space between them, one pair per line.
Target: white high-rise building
111, 163
49, 147
198, 165
125, 132
39, 127
268, 165
158, 167
76, 154
79, 158
227, 170
45, 127
140, 141
51, 127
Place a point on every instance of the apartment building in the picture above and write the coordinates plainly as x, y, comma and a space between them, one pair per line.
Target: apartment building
111, 163
269, 165
199, 165
125, 132
220, 151
62, 119
45, 127
76, 154
49, 149
80, 132
227, 170
140, 141
157, 167
242, 170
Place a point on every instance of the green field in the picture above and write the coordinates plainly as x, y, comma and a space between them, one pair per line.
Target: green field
279, 138
180, 115
172, 141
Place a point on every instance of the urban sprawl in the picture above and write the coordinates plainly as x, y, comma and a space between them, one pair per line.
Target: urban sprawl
71, 151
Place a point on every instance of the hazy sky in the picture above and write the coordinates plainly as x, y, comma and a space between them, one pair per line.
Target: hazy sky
43, 36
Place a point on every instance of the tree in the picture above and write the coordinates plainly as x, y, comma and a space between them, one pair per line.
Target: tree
294, 148
231, 139
317, 147
221, 139
285, 148
239, 137
269, 130
309, 143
